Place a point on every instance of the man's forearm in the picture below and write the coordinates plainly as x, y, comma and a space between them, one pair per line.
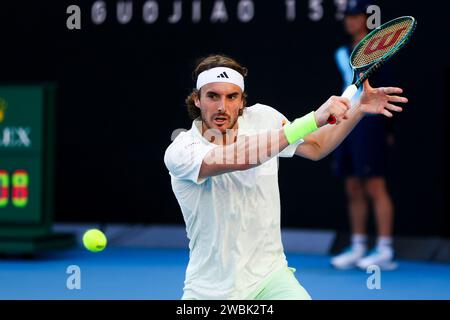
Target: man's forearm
246, 153
328, 137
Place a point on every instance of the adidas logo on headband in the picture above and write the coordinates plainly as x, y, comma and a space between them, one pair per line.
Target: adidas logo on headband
220, 74
223, 75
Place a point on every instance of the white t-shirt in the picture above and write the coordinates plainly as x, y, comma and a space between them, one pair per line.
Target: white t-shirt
233, 219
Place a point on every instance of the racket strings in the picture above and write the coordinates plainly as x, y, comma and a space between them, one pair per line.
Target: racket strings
382, 42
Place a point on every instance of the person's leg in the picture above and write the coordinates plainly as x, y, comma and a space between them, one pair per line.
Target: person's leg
357, 205
282, 285
384, 213
358, 212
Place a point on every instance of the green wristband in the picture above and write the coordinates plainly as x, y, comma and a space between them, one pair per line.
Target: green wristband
300, 128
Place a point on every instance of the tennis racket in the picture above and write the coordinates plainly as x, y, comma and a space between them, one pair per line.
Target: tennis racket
375, 49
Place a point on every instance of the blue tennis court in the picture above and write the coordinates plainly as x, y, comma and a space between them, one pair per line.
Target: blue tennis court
143, 273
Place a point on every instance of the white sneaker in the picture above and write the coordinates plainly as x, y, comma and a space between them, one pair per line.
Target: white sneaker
384, 259
348, 258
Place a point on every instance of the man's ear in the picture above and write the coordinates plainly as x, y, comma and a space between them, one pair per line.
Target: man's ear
197, 100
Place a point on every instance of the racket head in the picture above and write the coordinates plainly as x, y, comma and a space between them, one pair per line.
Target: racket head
382, 43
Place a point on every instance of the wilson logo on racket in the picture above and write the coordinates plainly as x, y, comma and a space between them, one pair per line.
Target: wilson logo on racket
379, 43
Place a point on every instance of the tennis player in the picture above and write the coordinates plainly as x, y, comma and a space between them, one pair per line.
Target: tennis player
224, 176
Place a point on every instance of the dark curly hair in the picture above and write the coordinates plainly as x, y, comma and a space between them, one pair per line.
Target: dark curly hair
206, 63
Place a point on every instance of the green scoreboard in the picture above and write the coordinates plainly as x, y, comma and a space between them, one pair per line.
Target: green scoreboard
27, 170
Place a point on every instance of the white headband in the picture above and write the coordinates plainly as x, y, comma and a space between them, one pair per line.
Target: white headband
220, 74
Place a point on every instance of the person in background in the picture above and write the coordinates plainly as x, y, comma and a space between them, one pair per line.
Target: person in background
361, 161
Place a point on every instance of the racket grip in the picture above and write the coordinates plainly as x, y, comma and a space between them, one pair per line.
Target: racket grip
349, 93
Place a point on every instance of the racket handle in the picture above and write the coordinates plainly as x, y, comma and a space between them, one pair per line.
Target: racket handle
349, 93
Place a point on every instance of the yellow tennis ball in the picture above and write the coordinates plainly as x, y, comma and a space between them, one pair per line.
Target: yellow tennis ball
94, 240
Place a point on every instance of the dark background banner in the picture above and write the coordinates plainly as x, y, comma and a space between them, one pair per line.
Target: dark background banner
121, 90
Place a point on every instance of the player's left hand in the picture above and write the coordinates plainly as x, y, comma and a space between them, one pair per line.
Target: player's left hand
380, 100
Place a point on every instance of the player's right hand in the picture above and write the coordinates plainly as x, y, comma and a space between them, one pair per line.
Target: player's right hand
336, 106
